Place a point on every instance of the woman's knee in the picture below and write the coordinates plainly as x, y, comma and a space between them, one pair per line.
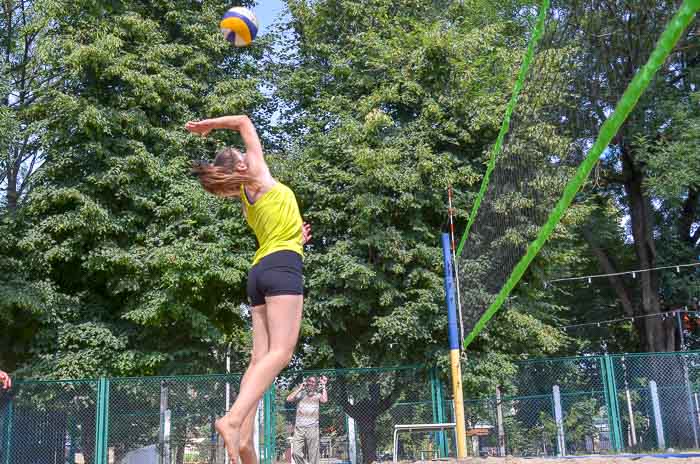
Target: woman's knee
256, 356
283, 354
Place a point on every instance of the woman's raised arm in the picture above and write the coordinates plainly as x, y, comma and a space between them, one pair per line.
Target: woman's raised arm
244, 126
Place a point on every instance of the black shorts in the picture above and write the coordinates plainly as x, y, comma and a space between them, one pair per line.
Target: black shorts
279, 273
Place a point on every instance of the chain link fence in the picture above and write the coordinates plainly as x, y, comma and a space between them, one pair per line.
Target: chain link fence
640, 403
658, 400
357, 420
566, 406
167, 419
48, 422
557, 406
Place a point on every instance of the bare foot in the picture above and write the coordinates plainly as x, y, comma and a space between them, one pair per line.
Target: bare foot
231, 435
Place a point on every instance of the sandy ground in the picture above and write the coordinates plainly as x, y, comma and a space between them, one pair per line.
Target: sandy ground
574, 460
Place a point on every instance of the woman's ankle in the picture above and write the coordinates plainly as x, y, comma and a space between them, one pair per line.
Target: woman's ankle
232, 421
225, 422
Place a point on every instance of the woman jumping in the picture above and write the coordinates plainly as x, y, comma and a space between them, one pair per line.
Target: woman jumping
275, 282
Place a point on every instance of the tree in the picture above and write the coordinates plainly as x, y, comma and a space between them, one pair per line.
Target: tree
22, 27
629, 226
141, 271
377, 114
385, 104
637, 155
589, 53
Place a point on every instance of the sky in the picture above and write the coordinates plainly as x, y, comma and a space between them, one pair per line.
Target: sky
266, 12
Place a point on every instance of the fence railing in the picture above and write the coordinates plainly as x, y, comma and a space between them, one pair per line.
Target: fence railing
565, 406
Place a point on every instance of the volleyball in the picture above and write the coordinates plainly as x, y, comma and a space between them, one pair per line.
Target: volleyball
239, 26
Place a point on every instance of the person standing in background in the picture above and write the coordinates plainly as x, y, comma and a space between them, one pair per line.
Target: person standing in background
308, 399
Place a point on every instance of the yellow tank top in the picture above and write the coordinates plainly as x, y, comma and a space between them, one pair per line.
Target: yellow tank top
276, 221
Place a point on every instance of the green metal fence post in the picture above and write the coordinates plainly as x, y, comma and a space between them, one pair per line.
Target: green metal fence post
273, 425
102, 421
99, 411
606, 393
612, 405
433, 403
438, 409
266, 428
616, 405
105, 435
269, 424
273, 411
7, 431
441, 411
70, 458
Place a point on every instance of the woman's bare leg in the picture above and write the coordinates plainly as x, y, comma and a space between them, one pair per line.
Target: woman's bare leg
246, 450
283, 322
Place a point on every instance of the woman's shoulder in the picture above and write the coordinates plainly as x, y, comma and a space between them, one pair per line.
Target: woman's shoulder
283, 188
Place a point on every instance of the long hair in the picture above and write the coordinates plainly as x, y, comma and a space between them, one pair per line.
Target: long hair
221, 178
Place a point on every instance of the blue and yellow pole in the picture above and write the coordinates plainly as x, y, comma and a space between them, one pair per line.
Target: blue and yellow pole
456, 367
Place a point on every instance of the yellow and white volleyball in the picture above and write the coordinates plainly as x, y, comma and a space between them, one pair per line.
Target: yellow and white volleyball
239, 26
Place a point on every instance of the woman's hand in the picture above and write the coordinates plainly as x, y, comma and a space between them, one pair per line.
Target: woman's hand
257, 168
202, 127
5, 380
306, 233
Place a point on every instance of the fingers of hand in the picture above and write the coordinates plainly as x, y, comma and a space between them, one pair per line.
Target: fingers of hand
306, 232
200, 127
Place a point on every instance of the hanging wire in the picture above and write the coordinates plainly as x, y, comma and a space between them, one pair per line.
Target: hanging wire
633, 273
664, 315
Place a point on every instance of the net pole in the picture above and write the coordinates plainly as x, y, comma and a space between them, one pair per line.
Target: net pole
610, 127
454, 261
455, 360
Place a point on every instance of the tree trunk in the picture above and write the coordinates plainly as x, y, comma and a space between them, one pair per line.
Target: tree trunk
368, 437
689, 217
12, 195
365, 411
607, 265
657, 333
180, 453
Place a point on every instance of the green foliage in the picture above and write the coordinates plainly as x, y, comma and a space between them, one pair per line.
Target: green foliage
672, 157
120, 264
151, 268
388, 104
23, 26
644, 196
